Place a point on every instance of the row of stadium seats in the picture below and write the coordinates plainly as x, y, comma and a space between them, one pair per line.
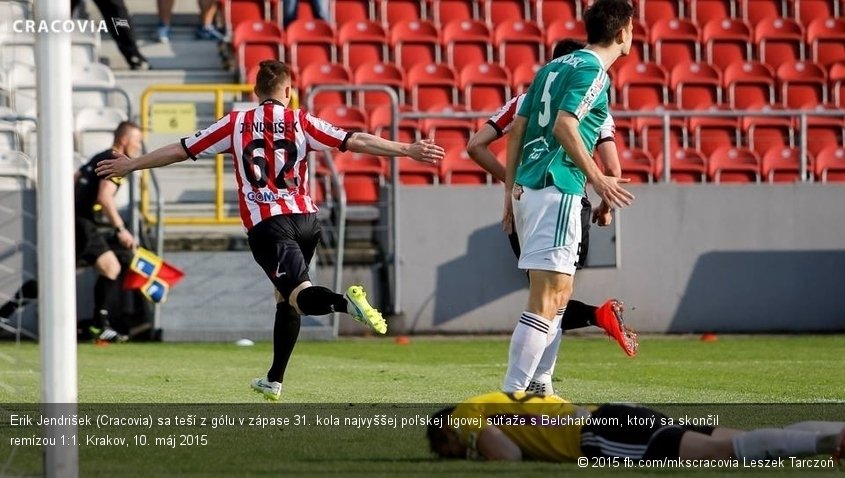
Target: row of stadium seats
93, 130
542, 12
363, 175
705, 134
20, 48
513, 43
93, 84
636, 86
727, 164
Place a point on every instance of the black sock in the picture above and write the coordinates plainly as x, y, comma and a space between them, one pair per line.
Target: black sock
106, 295
27, 292
318, 300
285, 333
578, 315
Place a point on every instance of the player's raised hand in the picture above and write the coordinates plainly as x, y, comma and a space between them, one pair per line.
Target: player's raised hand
426, 151
610, 190
116, 167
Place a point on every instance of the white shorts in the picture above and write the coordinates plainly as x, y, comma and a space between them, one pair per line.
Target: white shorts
548, 223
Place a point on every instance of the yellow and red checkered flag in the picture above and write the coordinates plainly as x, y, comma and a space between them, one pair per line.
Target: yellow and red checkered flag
151, 275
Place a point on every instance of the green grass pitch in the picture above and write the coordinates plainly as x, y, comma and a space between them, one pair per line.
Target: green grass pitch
324, 378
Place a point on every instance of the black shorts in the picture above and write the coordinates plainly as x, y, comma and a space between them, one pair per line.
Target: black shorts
583, 248
639, 438
283, 246
90, 241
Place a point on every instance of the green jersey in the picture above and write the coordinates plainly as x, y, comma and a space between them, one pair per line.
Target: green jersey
574, 83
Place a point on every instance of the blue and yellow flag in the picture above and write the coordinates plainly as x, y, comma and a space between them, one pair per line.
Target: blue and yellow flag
151, 275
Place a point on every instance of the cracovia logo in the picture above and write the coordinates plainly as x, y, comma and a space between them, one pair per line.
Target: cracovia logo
67, 26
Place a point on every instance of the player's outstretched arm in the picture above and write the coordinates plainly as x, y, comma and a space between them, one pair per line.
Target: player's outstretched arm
493, 444
478, 149
121, 165
607, 187
425, 151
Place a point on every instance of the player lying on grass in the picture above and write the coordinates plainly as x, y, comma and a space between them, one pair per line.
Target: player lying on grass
574, 314
269, 145
520, 426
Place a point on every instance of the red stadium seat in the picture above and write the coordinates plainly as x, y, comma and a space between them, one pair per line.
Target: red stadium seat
675, 41
703, 11
236, 12
687, 166
711, 133
643, 86
352, 11
551, 11
823, 132
802, 85
415, 173
486, 86
837, 84
362, 176
327, 74
497, 12
350, 119
826, 37
466, 42
415, 42
749, 85
431, 84
652, 11
636, 164
450, 133
381, 118
726, 41
519, 42
522, 77
379, 74
830, 164
311, 42
779, 40
756, 10
650, 132
395, 11
808, 10
782, 165
763, 133
362, 42
257, 41
567, 29
696, 86
733, 165
458, 168
445, 11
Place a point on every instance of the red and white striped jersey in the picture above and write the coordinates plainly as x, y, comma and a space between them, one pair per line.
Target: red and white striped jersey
503, 119
269, 145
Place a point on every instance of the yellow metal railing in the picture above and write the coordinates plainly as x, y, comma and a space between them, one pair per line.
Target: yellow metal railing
219, 90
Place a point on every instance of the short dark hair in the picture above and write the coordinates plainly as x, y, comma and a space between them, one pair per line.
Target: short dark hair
271, 74
567, 46
605, 18
437, 434
124, 128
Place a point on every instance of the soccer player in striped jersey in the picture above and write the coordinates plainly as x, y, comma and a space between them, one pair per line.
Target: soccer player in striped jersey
519, 426
574, 314
269, 145
549, 161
